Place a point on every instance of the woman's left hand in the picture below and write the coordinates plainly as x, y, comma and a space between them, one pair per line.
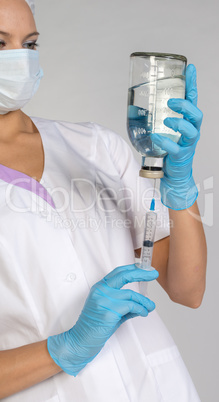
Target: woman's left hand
178, 189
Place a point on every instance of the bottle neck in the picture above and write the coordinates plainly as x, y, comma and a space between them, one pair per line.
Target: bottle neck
151, 168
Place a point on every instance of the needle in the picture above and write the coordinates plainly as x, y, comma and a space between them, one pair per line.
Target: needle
154, 187
152, 207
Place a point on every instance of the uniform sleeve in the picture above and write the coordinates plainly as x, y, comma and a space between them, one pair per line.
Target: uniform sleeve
137, 191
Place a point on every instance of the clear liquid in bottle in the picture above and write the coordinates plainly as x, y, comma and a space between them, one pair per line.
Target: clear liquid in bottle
147, 108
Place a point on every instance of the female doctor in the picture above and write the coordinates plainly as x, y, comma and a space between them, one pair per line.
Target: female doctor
69, 330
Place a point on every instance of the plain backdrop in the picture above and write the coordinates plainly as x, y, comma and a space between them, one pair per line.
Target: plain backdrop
84, 51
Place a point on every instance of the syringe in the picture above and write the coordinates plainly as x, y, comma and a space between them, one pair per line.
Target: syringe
149, 234
148, 243
148, 240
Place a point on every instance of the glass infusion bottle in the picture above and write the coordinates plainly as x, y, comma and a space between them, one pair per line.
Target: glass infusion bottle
154, 78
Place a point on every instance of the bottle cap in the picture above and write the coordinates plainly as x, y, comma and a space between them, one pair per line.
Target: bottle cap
151, 172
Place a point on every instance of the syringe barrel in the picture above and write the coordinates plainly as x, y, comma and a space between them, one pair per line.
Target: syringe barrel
148, 241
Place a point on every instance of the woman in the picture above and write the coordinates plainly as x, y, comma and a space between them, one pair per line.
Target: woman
67, 240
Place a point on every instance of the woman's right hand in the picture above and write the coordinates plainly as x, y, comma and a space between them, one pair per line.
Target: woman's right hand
105, 309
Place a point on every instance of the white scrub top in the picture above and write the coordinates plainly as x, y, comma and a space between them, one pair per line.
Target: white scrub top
61, 235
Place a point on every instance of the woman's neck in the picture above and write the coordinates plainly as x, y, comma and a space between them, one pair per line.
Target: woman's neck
14, 123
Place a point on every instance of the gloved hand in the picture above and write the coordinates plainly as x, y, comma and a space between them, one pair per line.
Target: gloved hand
105, 309
177, 187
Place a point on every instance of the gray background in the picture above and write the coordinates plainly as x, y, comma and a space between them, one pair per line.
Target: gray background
84, 50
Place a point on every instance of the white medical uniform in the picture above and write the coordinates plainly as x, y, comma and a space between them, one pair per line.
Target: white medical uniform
59, 237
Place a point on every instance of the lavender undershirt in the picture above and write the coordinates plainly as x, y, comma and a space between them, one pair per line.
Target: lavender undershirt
26, 182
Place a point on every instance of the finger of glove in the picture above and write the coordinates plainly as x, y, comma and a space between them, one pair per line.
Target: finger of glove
110, 307
119, 269
120, 302
191, 113
189, 133
166, 144
128, 295
128, 276
127, 317
127, 307
191, 84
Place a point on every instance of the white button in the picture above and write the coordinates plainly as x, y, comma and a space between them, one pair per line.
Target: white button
70, 277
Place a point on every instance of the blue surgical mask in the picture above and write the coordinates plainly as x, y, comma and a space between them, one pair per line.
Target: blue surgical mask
20, 76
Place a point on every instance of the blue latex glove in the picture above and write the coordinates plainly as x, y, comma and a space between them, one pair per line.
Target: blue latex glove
105, 309
177, 187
